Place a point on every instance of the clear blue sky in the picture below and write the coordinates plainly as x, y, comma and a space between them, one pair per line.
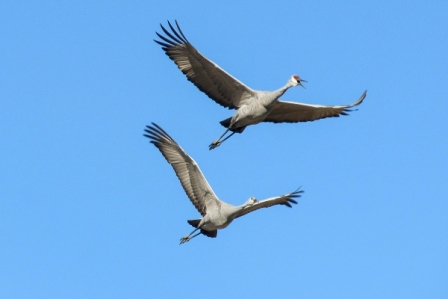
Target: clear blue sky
90, 209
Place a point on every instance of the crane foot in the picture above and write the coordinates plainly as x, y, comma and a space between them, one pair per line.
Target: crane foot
184, 240
214, 144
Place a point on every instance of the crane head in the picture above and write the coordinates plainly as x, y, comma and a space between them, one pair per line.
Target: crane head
295, 80
251, 201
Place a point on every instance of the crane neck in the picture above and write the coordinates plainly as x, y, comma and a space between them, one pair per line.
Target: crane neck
279, 92
269, 97
287, 86
235, 210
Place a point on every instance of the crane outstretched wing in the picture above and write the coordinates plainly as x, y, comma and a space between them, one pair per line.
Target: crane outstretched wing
219, 85
292, 112
285, 200
187, 170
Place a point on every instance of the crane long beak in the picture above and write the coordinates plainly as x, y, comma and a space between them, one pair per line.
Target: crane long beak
300, 83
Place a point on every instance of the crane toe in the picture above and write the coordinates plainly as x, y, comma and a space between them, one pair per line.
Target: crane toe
214, 144
184, 240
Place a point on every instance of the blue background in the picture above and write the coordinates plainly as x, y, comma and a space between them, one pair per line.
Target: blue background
90, 209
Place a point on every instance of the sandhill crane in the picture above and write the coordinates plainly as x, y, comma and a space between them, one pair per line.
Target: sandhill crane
216, 213
252, 106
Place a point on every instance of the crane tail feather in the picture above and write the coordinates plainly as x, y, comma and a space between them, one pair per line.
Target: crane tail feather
210, 234
194, 222
226, 123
